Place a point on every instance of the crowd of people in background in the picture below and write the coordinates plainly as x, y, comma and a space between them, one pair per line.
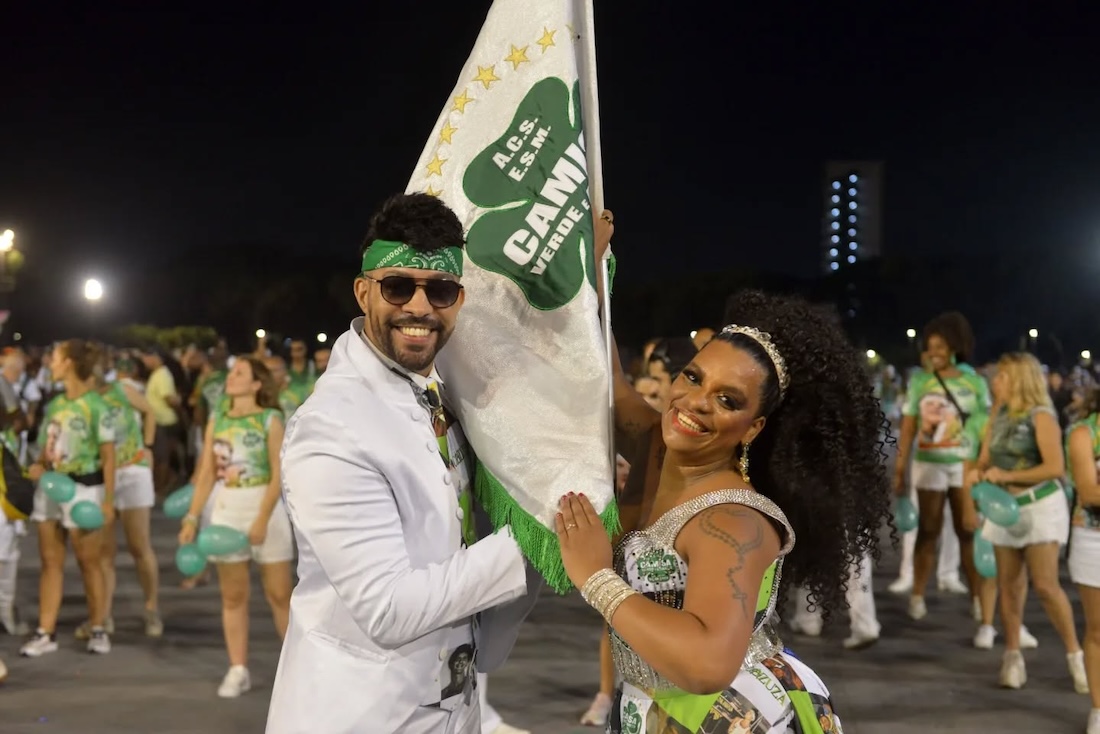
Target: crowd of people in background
177, 416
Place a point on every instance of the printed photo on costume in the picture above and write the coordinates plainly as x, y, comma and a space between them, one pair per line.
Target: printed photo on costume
732, 713
940, 424
458, 670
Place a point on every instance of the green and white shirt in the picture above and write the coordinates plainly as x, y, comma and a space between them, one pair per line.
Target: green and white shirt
72, 432
129, 436
241, 458
942, 436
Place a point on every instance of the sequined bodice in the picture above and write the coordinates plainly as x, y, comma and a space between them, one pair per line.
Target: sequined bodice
648, 561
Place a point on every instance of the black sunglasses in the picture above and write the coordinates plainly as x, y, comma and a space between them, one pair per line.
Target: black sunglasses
400, 289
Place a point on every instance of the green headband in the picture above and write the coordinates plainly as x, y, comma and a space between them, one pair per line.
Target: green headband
390, 254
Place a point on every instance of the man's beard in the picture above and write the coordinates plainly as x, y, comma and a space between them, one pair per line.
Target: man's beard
413, 361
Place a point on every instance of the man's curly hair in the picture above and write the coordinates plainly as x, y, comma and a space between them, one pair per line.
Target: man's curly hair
954, 329
820, 456
422, 222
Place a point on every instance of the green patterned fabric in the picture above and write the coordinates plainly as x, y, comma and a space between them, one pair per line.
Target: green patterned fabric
389, 254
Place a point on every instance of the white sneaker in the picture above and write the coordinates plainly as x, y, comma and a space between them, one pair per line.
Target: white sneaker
976, 609
918, 610
1027, 640
952, 585
1076, 663
902, 585
39, 645
99, 643
1013, 671
1094, 722
154, 627
860, 640
236, 682
508, 729
598, 711
983, 640
810, 626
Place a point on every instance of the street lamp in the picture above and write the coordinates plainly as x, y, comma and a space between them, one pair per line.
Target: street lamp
322, 338
260, 333
93, 290
871, 354
1033, 333
911, 333
1086, 355
7, 240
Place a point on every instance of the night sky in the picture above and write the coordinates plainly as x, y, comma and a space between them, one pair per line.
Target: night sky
132, 137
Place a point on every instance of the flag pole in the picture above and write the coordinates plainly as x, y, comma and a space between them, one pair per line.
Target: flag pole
590, 105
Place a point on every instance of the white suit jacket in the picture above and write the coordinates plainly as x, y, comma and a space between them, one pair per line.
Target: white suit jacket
386, 593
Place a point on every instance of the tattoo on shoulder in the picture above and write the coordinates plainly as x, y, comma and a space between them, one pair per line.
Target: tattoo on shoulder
743, 547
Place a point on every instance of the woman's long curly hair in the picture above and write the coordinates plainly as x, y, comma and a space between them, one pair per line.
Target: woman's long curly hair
820, 456
953, 328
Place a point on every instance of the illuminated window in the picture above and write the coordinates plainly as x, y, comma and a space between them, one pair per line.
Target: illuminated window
853, 178
836, 225
852, 218
851, 231
851, 258
851, 192
833, 266
851, 205
835, 238
851, 245
836, 199
834, 212
833, 252
836, 185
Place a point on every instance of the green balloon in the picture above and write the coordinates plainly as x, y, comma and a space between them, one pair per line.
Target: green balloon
87, 515
998, 506
190, 560
219, 540
984, 558
905, 515
58, 487
177, 504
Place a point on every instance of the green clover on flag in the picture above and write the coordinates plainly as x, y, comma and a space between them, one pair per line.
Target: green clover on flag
533, 181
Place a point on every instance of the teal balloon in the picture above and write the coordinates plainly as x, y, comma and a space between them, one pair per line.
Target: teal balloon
58, 487
177, 504
984, 559
190, 560
87, 515
978, 490
905, 515
997, 505
219, 540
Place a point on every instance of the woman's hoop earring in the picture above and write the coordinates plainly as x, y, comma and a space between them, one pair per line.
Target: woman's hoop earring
744, 463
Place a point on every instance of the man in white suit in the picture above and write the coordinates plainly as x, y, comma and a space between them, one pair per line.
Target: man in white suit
399, 605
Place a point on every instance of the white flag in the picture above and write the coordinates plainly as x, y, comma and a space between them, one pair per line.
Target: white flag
527, 361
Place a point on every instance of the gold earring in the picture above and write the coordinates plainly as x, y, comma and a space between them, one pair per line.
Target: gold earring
744, 464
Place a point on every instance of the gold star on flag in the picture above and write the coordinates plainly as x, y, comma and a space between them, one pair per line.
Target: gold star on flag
435, 165
447, 131
517, 57
432, 192
462, 100
486, 75
547, 39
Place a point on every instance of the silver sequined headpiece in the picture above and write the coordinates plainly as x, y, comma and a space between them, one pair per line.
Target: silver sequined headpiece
764, 339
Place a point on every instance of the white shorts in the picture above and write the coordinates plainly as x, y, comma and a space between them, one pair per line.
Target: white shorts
46, 509
934, 477
1045, 521
237, 507
1084, 557
134, 488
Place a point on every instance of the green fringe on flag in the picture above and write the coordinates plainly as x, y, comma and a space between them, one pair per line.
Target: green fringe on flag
538, 543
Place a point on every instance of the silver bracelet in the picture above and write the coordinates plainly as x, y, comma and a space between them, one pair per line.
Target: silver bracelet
605, 591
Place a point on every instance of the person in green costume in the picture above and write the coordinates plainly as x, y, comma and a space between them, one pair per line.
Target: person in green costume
77, 439
772, 433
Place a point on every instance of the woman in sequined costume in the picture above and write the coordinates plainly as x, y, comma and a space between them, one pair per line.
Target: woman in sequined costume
772, 433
